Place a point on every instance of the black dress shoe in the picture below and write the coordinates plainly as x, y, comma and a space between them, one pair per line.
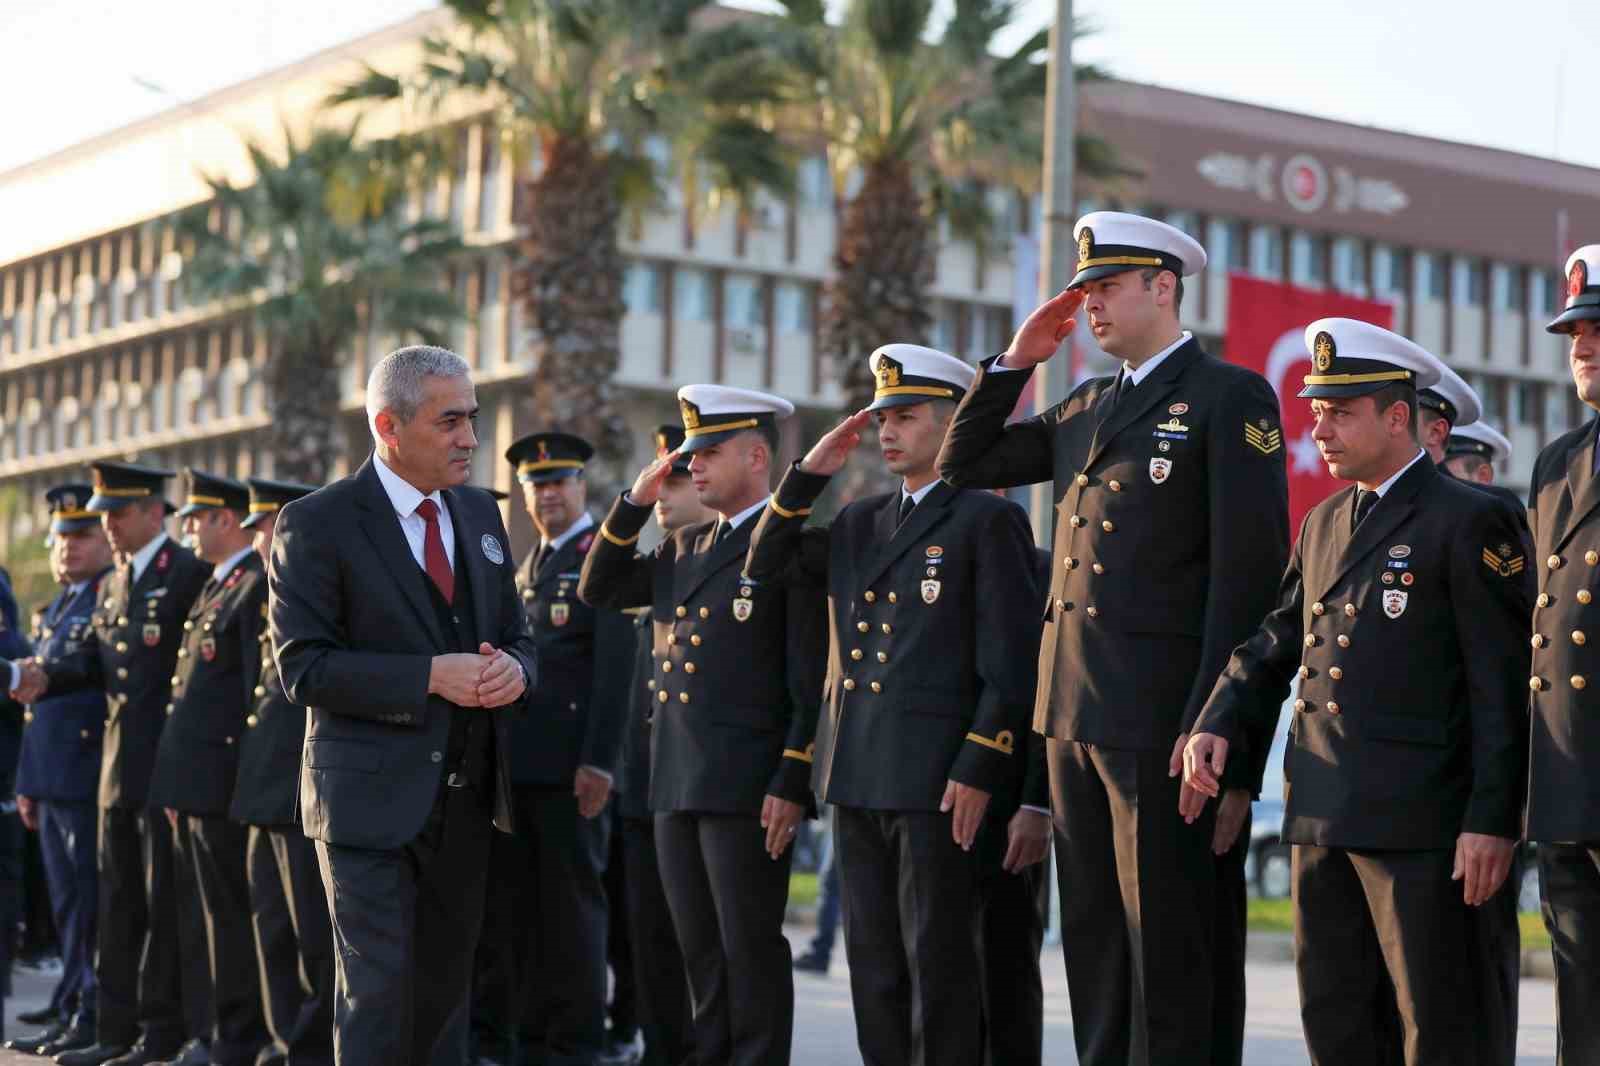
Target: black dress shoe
194, 1053
45, 1015
30, 1045
94, 1055
74, 1039
811, 962
141, 1054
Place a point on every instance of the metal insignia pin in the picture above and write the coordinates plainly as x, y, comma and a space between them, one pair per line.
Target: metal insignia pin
491, 549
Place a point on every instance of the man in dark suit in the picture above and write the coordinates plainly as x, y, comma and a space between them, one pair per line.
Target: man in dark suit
197, 763
1172, 516
288, 910
396, 624
129, 653
1563, 798
1403, 611
660, 983
13, 646
563, 755
922, 661
58, 771
736, 706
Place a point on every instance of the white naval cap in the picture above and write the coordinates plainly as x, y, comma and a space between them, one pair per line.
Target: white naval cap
1583, 289
909, 373
1352, 358
1110, 242
1453, 398
714, 413
1480, 438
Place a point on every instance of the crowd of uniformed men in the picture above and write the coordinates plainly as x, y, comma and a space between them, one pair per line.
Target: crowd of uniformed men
263, 771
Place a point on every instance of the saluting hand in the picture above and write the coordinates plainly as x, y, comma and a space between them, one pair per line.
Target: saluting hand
1482, 862
826, 458
965, 805
647, 486
1205, 756
1050, 324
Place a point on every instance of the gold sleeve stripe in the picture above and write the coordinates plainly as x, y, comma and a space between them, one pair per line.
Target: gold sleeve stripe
1357, 379
1266, 442
1120, 260
1002, 741
916, 390
721, 427
784, 512
797, 754
613, 538
535, 465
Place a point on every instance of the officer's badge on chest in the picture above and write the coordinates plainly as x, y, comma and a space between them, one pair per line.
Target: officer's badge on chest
1394, 602
560, 613
743, 604
208, 649
152, 635
1160, 469
930, 591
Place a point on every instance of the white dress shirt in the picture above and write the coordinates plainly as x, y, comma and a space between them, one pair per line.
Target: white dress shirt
550, 547
141, 558
1389, 484
220, 572
739, 519
405, 497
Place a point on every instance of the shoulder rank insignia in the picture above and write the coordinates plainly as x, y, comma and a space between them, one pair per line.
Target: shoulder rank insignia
1263, 437
1503, 561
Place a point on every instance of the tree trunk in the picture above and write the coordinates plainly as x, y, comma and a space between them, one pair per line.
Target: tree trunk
569, 279
304, 439
884, 266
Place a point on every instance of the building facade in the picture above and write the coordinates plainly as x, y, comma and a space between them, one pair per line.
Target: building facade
100, 355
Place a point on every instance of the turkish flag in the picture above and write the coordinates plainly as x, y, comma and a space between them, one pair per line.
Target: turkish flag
1266, 332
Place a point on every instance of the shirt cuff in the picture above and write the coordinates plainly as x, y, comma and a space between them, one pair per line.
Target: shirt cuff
16, 676
999, 366
1036, 810
599, 772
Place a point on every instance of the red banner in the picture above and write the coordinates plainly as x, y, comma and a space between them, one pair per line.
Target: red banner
1266, 332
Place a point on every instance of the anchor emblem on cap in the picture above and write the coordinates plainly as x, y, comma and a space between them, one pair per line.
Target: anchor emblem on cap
1322, 357
1086, 245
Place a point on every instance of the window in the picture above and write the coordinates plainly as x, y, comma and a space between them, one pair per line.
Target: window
1430, 275
814, 183
1311, 259
1387, 270
792, 307
1266, 252
1467, 283
1529, 403
641, 288
1506, 287
1225, 248
741, 302
691, 295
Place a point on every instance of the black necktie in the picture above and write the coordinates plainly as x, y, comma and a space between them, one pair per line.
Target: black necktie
724, 530
540, 556
907, 505
1366, 500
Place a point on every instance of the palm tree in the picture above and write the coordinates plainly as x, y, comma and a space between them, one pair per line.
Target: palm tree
583, 83
318, 245
927, 121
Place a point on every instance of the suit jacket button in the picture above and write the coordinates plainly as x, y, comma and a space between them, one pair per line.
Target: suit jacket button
893, 598
672, 638
683, 612
122, 673
84, 733
261, 690
705, 612
174, 680
1536, 683
862, 627
870, 596
122, 647
436, 756
1579, 638
1311, 640
1108, 526
1083, 479
1578, 681
1336, 672
877, 687
1092, 611
227, 740
1099, 569
695, 639
1300, 705
1305, 671
1317, 609
688, 668
1584, 596
1076, 521
1543, 600
251, 721
887, 629
1591, 557
1114, 486
683, 697
1333, 707
651, 685
666, 666
1070, 563
187, 625
27, 716
1344, 641
1554, 562
1349, 610
849, 684
663, 697
1538, 640
169, 710
855, 653
883, 657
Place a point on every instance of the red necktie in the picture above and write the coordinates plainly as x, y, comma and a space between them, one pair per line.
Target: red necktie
434, 559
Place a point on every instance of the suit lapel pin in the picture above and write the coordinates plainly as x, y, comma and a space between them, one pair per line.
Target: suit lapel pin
491, 549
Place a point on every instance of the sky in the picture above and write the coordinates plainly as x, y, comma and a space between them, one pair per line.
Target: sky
1520, 77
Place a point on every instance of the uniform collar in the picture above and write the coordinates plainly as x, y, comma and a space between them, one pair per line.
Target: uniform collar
584, 521
221, 571
738, 520
141, 558
917, 497
1382, 489
1148, 367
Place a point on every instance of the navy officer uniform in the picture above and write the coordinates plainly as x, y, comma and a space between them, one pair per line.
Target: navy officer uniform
129, 653
1403, 611
288, 910
737, 689
551, 961
196, 767
59, 766
1172, 518
1563, 787
923, 592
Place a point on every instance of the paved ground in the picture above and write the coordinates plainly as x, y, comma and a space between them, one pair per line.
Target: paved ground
825, 1030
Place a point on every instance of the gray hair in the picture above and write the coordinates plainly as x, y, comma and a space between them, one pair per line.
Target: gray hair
396, 382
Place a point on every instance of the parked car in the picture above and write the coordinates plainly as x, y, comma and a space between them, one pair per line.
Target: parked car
1267, 864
